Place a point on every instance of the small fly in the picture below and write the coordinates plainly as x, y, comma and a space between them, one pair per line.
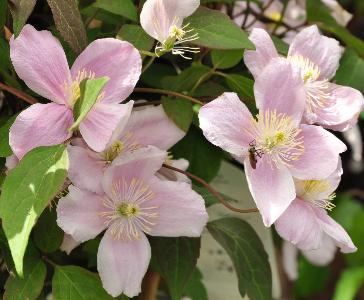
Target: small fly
253, 153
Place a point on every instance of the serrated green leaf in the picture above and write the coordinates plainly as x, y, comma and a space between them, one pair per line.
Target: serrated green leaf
20, 11
30, 286
179, 111
5, 149
136, 35
90, 89
125, 8
76, 283
350, 282
226, 59
204, 158
47, 235
69, 23
175, 259
247, 253
216, 30
27, 190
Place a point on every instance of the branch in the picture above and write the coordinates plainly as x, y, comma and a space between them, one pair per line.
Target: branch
170, 93
212, 191
21, 95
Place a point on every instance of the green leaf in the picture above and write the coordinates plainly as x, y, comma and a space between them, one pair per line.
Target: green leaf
204, 158
69, 23
27, 190
90, 89
209, 198
175, 260
30, 286
20, 11
226, 59
47, 235
76, 283
350, 282
179, 111
247, 253
136, 35
5, 250
351, 71
156, 73
241, 85
217, 31
124, 8
5, 149
318, 13
195, 288
3, 8
281, 46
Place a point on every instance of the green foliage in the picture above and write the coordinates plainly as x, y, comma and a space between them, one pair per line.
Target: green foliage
135, 35
5, 149
3, 8
90, 90
217, 31
226, 59
179, 110
175, 259
47, 235
204, 157
209, 198
26, 192
247, 253
76, 283
241, 85
350, 281
195, 288
20, 11
124, 8
69, 23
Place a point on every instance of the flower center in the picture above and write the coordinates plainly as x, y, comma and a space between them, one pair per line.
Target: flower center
277, 137
127, 142
313, 191
73, 89
309, 71
128, 212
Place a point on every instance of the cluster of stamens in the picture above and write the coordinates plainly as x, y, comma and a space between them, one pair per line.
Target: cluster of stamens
311, 190
277, 136
126, 143
127, 213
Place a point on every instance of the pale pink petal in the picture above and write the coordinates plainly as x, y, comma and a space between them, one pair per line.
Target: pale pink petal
344, 111
298, 224
280, 87
223, 121
321, 154
123, 264
272, 189
120, 128
335, 230
68, 243
101, 122
158, 16
289, 260
39, 60
40, 125
324, 52
11, 162
142, 163
256, 60
181, 211
151, 126
86, 169
78, 214
115, 59
324, 255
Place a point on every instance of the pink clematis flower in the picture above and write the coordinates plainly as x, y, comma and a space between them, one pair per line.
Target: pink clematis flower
134, 203
163, 19
40, 61
306, 224
274, 147
317, 57
144, 127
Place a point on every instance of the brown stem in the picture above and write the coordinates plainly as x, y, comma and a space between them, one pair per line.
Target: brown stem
212, 191
8, 33
21, 95
170, 93
150, 286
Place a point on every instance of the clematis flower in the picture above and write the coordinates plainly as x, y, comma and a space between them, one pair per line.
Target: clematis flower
317, 58
40, 61
134, 203
305, 223
163, 20
274, 146
148, 126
